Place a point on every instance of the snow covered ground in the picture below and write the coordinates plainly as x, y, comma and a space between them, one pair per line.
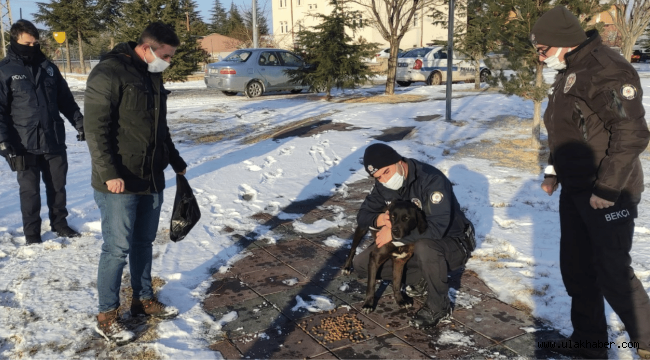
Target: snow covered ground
48, 296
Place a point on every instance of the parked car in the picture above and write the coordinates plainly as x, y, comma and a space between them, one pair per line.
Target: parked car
254, 72
429, 64
639, 56
385, 53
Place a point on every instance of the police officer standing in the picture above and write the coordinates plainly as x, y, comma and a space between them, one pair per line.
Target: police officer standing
446, 243
32, 133
596, 131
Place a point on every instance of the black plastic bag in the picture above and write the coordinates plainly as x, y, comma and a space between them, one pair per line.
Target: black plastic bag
186, 211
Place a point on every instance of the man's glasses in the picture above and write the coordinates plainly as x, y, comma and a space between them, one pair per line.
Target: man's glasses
542, 51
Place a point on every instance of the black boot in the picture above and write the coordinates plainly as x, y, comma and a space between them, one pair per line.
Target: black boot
33, 239
66, 231
417, 290
425, 318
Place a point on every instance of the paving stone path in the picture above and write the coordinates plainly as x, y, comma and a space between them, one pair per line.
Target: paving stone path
265, 287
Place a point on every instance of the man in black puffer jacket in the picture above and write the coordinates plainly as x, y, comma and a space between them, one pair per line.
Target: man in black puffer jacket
596, 131
130, 147
32, 133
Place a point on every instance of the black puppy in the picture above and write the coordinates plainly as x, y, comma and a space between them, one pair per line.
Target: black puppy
405, 217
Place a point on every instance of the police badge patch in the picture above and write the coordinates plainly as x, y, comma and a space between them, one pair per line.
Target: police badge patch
436, 197
50, 71
570, 80
628, 91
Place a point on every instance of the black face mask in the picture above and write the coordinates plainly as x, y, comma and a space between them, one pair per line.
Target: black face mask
30, 54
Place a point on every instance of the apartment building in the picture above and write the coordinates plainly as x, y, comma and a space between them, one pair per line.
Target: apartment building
290, 16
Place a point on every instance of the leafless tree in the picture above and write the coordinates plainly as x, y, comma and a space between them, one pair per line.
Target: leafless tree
631, 17
393, 19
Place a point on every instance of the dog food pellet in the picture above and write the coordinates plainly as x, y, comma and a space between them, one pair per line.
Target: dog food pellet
337, 328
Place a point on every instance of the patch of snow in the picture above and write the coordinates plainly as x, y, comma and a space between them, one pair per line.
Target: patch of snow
318, 304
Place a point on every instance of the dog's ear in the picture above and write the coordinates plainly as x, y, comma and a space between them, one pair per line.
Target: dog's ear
422, 221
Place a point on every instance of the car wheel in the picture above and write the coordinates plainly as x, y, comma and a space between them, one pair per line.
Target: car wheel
403, 83
296, 91
318, 89
229, 93
485, 74
254, 89
435, 78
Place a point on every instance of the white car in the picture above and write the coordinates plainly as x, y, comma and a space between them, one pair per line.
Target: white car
429, 64
385, 53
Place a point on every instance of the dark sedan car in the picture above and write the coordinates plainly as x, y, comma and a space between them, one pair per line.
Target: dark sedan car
254, 72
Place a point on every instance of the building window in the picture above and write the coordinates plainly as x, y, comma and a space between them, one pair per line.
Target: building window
283, 3
299, 2
415, 20
313, 6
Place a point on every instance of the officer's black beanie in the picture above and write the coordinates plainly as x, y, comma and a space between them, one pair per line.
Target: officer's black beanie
378, 156
558, 27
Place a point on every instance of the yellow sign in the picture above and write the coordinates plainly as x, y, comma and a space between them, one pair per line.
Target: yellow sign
59, 37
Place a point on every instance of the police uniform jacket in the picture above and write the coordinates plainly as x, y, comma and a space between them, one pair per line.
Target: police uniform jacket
426, 186
125, 111
30, 106
595, 122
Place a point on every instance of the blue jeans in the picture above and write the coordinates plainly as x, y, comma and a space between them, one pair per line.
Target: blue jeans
129, 226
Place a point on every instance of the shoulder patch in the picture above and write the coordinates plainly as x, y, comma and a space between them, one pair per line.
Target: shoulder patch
436, 197
570, 80
50, 71
628, 91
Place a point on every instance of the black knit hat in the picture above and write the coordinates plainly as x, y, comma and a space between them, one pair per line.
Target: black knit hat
378, 156
558, 27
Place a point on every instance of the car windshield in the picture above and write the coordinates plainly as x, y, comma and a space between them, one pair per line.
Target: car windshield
419, 52
238, 56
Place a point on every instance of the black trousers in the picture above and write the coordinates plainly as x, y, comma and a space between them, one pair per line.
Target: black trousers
595, 264
432, 260
54, 169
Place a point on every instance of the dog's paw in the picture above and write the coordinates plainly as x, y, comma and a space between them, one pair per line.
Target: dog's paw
367, 307
346, 271
404, 302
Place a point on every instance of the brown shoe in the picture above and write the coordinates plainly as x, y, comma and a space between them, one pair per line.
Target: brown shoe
152, 307
112, 329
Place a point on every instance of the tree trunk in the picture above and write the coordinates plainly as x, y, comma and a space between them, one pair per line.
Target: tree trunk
392, 66
627, 47
68, 64
112, 43
81, 53
477, 74
535, 142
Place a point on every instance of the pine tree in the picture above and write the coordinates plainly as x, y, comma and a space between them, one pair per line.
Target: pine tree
218, 19
77, 18
262, 24
336, 61
235, 24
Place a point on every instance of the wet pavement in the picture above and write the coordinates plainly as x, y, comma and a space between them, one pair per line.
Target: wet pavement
272, 287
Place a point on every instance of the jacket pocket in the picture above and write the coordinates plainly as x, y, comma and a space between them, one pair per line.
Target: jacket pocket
24, 94
132, 166
28, 135
136, 97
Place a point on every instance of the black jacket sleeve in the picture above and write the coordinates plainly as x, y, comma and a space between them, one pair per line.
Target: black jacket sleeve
100, 108
67, 105
439, 215
5, 119
371, 208
624, 118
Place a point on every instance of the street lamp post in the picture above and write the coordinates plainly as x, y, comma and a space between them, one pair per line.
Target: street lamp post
450, 56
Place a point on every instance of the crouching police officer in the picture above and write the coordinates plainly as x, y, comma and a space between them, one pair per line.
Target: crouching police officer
596, 131
32, 133
444, 246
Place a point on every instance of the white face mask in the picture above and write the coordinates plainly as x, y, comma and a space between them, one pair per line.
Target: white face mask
158, 65
554, 62
396, 181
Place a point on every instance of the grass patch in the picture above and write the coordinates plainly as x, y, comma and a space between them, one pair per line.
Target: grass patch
512, 153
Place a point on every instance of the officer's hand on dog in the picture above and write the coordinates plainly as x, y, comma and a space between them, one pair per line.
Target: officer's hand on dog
115, 186
599, 203
384, 236
549, 185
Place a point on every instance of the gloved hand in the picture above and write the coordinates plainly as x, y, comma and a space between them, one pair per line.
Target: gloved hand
6, 149
81, 136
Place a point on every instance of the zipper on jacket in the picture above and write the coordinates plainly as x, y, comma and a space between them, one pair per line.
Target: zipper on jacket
582, 124
156, 112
